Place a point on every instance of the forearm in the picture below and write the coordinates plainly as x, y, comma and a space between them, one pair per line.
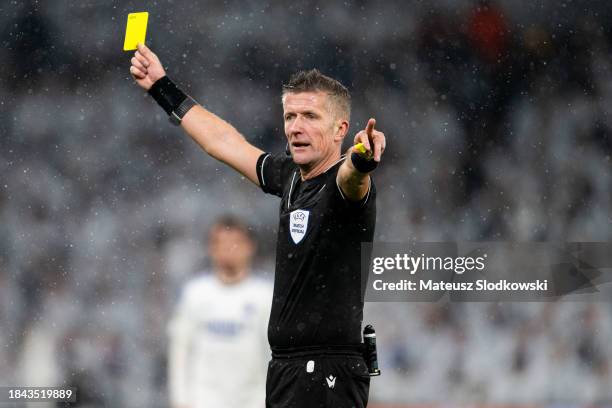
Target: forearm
217, 137
353, 183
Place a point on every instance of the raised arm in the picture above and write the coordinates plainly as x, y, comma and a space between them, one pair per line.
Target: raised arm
217, 137
354, 174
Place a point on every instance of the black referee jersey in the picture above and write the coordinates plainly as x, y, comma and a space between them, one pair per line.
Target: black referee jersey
318, 296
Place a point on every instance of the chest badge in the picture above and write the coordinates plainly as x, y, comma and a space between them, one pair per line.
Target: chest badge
298, 223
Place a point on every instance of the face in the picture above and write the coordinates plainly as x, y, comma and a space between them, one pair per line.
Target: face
311, 131
230, 249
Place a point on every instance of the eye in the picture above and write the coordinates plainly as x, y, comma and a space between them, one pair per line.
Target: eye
289, 116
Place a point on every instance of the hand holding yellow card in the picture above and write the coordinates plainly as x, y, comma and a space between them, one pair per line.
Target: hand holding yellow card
136, 30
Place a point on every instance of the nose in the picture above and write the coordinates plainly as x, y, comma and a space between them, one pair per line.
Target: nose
295, 126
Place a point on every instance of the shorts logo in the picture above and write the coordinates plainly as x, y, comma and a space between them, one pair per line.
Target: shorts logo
331, 381
298, 223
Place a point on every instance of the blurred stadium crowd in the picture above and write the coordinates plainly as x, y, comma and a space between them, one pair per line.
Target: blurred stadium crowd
499, 128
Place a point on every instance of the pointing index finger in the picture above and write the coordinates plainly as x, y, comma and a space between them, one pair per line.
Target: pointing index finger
370, 127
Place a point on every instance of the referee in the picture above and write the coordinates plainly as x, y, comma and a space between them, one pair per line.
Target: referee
327, 209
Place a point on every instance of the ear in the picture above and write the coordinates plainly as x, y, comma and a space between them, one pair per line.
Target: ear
340, 130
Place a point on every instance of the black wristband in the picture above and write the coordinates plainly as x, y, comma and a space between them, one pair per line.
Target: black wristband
167, 94
181, 111
362, 164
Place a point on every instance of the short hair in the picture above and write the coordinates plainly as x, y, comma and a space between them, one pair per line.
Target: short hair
231, 222
313, 80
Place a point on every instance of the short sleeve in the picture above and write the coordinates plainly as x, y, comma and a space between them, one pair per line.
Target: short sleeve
273, 172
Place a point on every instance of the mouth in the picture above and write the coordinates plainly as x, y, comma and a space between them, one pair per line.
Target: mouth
299, 145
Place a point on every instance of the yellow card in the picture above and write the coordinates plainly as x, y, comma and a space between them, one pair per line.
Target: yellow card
136, 30
361, 148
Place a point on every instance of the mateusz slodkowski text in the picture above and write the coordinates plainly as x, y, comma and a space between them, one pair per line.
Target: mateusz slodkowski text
479, 285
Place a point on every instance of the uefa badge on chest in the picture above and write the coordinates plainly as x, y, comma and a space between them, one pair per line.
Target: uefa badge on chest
298, 223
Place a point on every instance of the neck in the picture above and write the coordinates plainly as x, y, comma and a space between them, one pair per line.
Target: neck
232, 276
319, 168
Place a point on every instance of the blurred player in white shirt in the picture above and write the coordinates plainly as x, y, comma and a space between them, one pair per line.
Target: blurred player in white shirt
218, 344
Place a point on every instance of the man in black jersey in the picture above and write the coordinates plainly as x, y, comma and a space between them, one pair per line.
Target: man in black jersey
328, 207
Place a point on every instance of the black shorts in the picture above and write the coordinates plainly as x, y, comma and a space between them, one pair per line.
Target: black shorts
317, 377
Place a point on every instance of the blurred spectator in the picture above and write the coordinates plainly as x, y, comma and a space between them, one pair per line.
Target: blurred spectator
218, 343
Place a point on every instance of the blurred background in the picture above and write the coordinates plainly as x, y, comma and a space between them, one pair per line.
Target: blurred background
497, 115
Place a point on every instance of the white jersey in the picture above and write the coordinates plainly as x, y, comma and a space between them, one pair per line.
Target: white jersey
218, 344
